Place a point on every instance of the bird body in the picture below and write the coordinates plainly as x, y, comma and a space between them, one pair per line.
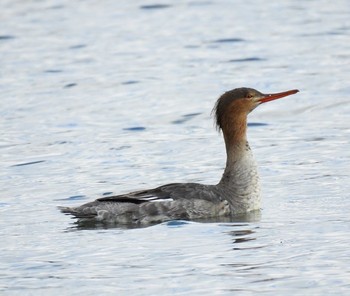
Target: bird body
238, 191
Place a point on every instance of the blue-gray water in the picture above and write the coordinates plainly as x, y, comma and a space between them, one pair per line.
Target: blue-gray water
111, 96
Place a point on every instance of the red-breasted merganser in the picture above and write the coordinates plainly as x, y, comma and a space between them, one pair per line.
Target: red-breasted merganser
237, 192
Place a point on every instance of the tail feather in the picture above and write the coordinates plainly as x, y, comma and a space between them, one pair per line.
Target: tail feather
75, 212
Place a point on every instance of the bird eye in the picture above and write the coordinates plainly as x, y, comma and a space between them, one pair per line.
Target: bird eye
249, 96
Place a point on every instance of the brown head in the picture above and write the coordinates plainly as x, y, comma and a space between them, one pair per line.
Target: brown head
232, 108
241, 101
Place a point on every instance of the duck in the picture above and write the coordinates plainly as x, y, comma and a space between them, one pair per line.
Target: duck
237, 192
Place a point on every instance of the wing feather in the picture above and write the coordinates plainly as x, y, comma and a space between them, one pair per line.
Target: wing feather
173, 191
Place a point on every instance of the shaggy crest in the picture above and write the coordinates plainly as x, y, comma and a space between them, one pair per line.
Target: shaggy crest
221, 105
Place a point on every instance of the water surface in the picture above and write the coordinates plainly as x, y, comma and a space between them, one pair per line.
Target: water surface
101, 97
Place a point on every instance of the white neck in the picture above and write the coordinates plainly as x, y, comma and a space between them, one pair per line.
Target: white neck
240, 181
